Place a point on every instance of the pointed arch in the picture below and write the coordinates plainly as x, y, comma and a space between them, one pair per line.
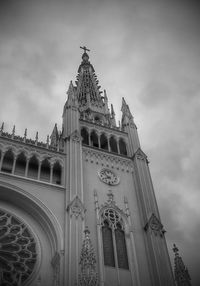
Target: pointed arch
8, 161
85, 136
33, 167
57, 174
103, 142
20, 166
122, 147
113, 144
113, 237
45, 171
94, 139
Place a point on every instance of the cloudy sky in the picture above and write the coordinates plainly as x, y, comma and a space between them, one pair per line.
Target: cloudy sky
145, 50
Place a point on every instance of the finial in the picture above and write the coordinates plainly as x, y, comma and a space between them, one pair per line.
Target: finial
36, 138
85, 49
86, 231
25, 134
13, 131
112, 111
105, 95
2, 127
47, 141
175, 249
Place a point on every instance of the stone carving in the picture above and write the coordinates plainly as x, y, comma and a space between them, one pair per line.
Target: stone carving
181, 273
139, 154
18, 253
88, 275
108, 160
155, 225
75, 136
76, 208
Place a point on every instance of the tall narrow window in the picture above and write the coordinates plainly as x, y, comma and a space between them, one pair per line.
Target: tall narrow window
108, 250
104, 142
121, 247
122, 147
33, 168
20, 164
112, 231
45, 171
113, 145
57, 174
85, 136
94, 139
7, 162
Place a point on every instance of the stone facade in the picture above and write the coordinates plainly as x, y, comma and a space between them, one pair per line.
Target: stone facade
80, 209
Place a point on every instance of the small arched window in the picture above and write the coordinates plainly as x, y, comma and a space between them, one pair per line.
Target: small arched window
104, 142
94, 139
122, 147
8, 162
33, 168
114, 243
113, 145
45, 171
85, 136
57, 174
20, 166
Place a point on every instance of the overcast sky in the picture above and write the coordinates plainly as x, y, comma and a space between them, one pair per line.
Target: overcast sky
148, 52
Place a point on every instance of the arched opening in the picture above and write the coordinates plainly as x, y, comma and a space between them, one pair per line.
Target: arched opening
45, 171
85, 136
57, 174
33, 168
20, 166
8, 162
113, 145
104, 142
122, 147
114, 242
94, 139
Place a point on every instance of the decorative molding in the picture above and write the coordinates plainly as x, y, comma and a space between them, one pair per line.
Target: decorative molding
76, 208
108, 160
154, 225
139, 154
88, 275
75, 136
41, 154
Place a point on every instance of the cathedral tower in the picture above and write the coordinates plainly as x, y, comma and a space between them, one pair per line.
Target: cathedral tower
80, 209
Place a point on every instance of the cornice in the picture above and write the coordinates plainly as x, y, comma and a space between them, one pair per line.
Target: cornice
7, 176
30, 147
19, 147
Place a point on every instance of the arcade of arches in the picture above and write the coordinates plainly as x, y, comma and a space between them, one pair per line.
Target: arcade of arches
102, 141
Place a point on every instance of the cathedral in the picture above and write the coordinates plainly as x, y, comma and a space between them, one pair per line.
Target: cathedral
80, 209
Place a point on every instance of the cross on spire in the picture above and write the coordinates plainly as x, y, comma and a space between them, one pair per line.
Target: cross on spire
85, 49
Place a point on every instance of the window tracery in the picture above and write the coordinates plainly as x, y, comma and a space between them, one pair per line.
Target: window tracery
18, 253
113, 236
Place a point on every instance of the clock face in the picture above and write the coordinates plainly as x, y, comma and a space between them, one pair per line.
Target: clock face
108, 177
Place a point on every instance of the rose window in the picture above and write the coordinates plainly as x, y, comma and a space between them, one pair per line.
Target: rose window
17, 251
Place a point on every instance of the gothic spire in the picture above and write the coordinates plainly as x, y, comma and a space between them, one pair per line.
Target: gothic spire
54, 136
181, 274
88, 91
127, 117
